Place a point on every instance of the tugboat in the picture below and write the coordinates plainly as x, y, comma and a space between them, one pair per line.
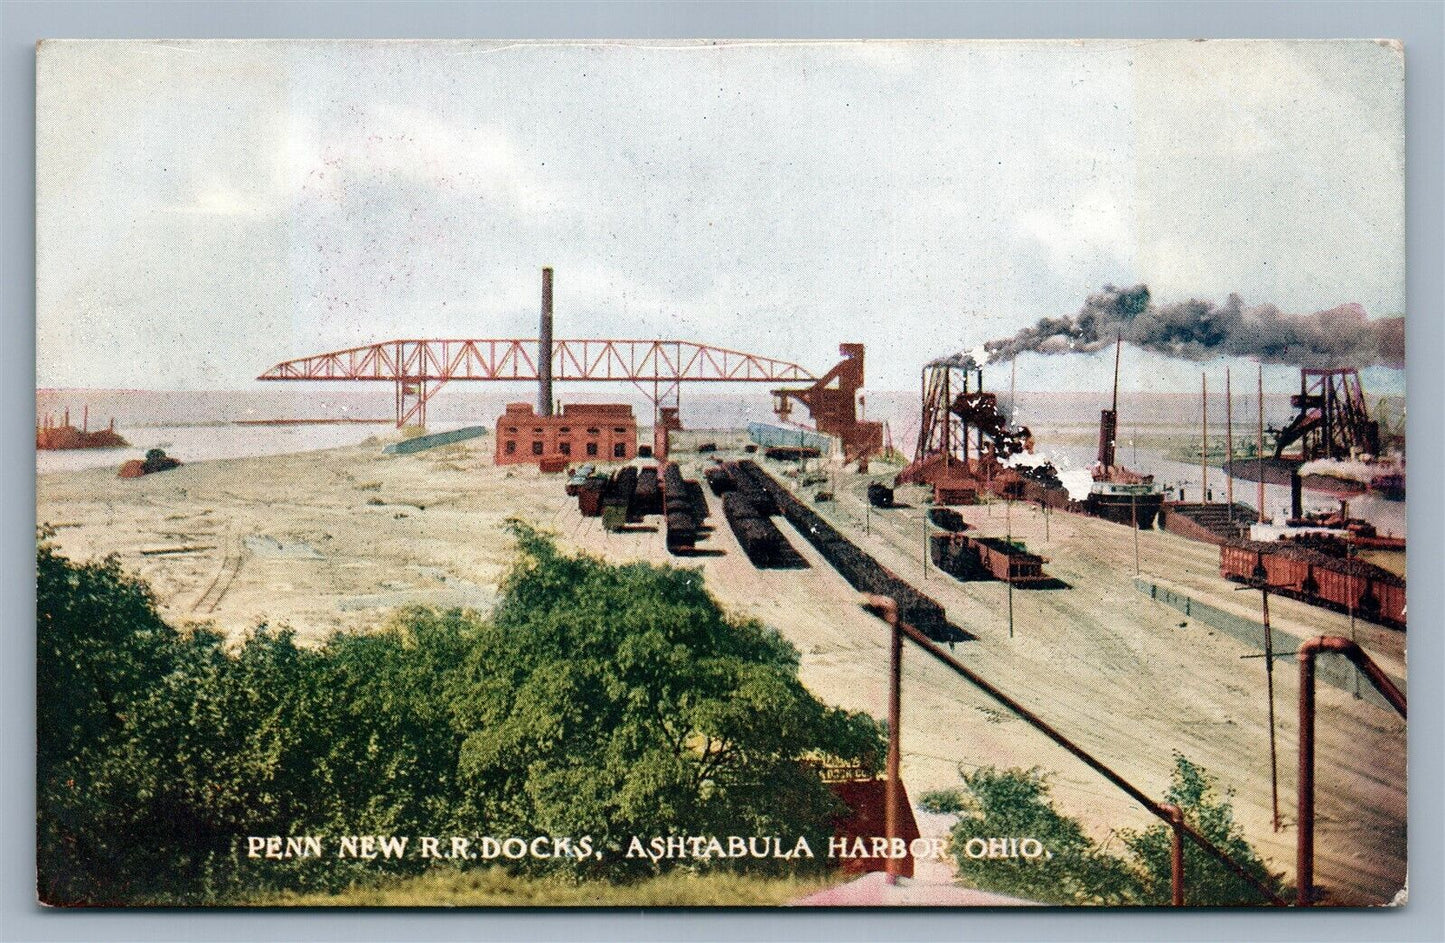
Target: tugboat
1119, 494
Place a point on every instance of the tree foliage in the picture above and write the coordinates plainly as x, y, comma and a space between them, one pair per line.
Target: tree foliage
1014, 804
1207, 881
597, 700
1075, 869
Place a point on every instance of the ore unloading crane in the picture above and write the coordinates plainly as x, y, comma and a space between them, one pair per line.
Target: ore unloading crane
1333, 421
832, 401
963, 432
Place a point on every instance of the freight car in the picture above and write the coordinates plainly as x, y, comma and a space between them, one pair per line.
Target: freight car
757, 535
978, 558
947, 518
791, 453
749, 487
678, 511
589, 495
1372, 593
617, 498
862, 572
880, 495
647, 499
719, 480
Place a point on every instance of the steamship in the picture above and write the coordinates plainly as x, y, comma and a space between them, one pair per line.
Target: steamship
1119, 494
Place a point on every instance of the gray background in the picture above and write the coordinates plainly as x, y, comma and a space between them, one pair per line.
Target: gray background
1421, 25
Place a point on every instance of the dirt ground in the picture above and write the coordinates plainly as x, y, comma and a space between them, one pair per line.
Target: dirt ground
333, 540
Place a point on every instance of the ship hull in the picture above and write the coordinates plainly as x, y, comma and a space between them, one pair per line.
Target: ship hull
1140, 510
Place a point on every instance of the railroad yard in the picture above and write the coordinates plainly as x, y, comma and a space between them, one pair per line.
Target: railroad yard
333, 540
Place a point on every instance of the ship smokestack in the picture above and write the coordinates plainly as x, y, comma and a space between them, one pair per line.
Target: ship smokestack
544, 348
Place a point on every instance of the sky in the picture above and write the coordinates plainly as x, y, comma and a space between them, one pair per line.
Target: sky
207, 209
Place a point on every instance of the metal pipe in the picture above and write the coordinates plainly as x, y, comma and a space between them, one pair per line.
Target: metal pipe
1305, 812
544, 348
888, 608
881, 604
1176, 853
1306, 654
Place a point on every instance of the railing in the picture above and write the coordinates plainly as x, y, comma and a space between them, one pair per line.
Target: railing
1171, 815
1325, 644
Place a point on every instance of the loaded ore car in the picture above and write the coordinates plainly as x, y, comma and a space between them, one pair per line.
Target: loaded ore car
948, 519
589, 495
880, 495
757, 534
719, 479
1369, 591
791, 453
617, 498
678, 511
749, 486
861, 571
647, 499
980, 558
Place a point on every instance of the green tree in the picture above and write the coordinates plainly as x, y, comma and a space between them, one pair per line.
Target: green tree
622, 700
1206, 880
1014, 804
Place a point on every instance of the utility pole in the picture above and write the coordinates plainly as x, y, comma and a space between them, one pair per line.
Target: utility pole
1204, 436
1259, 444
1229, 446
1269, 684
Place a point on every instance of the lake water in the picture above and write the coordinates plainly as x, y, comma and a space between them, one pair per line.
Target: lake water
201, 426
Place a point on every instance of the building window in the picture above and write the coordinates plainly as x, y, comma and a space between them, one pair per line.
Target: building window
591, 449
565, 448
510, 448
620, 430
619, 450
565, 430
511, 430
594, 431
536, 446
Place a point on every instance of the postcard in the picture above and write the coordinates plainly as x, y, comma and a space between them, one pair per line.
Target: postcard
721, 473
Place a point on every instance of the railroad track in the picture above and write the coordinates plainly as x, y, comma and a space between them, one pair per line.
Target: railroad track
225, 576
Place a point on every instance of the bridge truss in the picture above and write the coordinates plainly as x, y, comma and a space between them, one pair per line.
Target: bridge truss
418, 369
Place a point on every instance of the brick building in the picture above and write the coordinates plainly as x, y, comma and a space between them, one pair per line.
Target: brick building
583, 431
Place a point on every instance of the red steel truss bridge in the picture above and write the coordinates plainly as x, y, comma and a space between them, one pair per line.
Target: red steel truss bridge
419, 368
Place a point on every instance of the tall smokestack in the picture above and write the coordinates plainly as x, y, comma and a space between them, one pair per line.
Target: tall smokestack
544, 348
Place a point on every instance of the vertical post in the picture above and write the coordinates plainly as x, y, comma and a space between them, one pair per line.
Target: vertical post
1176, 853
1228, 445
544, 348
1350, 584
1134, 516
1204, 437
1269, 687
895, 717
924, 521
1010, 601
1305, 847
1259, 445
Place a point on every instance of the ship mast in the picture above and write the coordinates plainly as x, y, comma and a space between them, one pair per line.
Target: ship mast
1118, 345
1109, 422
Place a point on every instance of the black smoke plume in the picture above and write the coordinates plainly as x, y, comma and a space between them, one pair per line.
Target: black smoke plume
1201, 330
